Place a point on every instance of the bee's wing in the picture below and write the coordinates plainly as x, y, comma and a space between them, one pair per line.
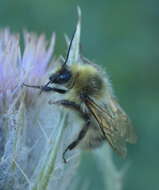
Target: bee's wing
121, 121
113, 123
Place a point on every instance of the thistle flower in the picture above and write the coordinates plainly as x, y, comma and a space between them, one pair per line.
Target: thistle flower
30, 129
32, 133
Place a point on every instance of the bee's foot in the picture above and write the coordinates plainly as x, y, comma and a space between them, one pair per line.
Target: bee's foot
64, 160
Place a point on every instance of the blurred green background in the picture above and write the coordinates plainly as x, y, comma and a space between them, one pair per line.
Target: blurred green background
123, 36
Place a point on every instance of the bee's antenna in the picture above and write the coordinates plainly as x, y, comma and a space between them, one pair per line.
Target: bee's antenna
47, 83
69, 48
43, 87
73, 49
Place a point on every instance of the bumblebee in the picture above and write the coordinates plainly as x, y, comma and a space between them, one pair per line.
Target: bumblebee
89, 93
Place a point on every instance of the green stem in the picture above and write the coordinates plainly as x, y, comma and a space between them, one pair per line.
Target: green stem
47, 171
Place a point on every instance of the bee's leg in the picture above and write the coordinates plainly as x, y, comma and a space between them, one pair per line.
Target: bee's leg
77, 141
85, 116
46, 88
68, 104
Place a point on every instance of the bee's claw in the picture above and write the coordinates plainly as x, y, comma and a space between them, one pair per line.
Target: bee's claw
64, 159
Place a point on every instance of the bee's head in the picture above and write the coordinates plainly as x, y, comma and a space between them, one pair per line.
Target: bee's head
62, 76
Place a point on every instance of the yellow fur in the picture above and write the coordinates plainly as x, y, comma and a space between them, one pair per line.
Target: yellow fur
83, 69
85, 78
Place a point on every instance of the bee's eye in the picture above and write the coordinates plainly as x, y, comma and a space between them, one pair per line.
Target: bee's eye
65, 76
61, 78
